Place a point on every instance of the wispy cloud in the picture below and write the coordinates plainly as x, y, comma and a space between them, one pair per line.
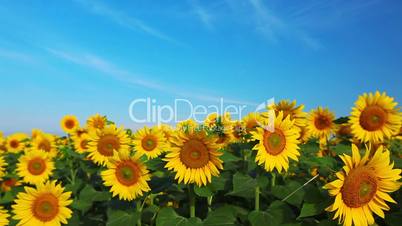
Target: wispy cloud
204, 16
16, 56
124, 20
127, 77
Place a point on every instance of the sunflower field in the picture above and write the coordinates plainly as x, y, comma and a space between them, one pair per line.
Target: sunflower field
289, 168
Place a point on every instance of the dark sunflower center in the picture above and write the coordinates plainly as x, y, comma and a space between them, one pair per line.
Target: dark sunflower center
149, 143
359, 187
84, 144
274, 142
45, 145
107, 144
45, 207
14, 143
127, 173
194, 154
36, 166
373, 118
69, 123
322, 122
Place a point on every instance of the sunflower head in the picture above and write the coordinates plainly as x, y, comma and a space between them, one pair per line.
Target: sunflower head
362, 187
15, 142
238, 131
274, 148
194, 157
4, 216
96, 121
35, 167
321, 123
81, 143
252, 121
45, 205
103, 143
150, 142
375, 117
69, 123
35, 133
289, 108
127, 176
46, 143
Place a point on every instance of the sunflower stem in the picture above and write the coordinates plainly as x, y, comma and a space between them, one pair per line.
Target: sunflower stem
257, 198
273, 179
139, 210
191, 196
209, 200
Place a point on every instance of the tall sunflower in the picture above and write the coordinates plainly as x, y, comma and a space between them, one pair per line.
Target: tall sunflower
46, 205
290, 109
96, 121
194, 157
45, 142
127, 176
320, 123
375, 117
150, 142
81, 143
15, 142
35, 167
102, 143
362, 187
69, 123
4, 216
275, 148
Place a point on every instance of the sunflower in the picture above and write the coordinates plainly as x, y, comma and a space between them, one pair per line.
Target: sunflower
35, 167
96, 121
221, 126
186, 125
362, 187
304, 134
15, 142
102, 143
238, 131
167, 131
81, 143
150, 142
3, 216
375, 117
35, 133
45, 142
275, 148
79, 132
194, 157
46, 205
69, 123
127, 176
320, 123
252, 121
289, 108
3, 164
8, 184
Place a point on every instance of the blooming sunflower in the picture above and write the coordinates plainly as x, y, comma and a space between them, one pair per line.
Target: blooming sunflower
238, 131
221, 126
35, 133
150, 142
96, 121
3, 164
289, 108
15, 142
3, 216
81, 143
127, 176
194, 157
102, 143
275, 148
252, 121
320, 123
362, 187
69, 123
45, 142
375, 117
46, 205
186, 125
35, 167
304, 134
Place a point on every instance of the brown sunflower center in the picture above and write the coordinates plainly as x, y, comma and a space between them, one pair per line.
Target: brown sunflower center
237, 131
107, 144
274, 142
36, 166
46, 207
14, 143
45, 145
373, 118
322, 122
127, 173
69, 124
99, 123
149, 143
84, 144
359, 187
194, 154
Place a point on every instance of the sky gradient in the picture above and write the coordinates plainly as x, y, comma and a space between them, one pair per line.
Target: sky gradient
83, 57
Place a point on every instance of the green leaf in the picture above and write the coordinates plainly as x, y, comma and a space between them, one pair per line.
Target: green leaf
243, 185
168, 217
204, 191
120, 217
229, 157
222, 216
312, 209
281, 191
277, 214
87, 196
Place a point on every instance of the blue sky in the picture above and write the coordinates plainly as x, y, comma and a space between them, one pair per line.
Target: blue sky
82, 57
